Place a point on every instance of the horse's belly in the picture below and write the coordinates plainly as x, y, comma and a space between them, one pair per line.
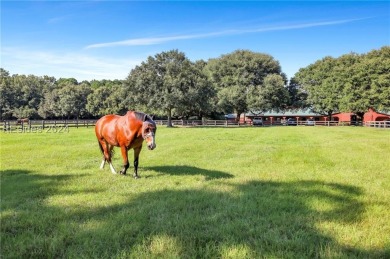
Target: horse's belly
112, 141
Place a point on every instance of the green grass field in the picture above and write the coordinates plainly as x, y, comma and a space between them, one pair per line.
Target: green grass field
276, 192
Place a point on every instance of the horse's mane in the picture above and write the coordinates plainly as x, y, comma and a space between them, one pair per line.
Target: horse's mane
142, 116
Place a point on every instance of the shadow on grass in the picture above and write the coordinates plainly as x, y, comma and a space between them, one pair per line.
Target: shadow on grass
28, 225
255, 219
189, 170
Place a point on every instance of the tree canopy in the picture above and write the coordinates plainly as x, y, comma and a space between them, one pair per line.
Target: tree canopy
349, 83
322, 87
244, 80
45, 97
169, 84
367, 82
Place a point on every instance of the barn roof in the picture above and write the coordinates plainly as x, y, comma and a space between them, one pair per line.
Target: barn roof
288, 112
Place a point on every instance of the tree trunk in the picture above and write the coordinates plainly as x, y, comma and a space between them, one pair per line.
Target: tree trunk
330, 115
360, 118
169, 118
238, 117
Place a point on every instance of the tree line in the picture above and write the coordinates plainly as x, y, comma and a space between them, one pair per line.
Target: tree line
168, 84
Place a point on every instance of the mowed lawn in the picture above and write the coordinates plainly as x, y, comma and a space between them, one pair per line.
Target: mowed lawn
274, 192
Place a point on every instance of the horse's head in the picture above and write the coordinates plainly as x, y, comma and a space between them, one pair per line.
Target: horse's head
149, 133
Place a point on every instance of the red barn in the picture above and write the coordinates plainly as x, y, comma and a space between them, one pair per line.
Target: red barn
303, 115
371, 115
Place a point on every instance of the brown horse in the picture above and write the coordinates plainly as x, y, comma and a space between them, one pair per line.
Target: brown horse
126, 132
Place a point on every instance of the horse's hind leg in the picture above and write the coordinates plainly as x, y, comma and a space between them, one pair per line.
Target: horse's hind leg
112, 168
103, 163
125, 160
107, 154
109, 159
102, 145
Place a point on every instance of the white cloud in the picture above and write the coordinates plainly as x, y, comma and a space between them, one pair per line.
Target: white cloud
152, 41
159, 40
77, 65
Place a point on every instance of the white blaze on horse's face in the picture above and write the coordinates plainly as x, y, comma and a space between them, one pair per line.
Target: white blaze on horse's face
148, 133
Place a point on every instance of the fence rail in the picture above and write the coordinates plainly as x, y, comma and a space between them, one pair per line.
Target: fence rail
64, 125
378, 124
265, 123
192, 123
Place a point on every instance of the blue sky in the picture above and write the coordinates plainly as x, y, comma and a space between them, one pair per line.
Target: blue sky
106, 39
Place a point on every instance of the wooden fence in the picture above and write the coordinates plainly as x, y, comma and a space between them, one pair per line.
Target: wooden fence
64, 125
194, 123
225, 123
44, 125
378, 124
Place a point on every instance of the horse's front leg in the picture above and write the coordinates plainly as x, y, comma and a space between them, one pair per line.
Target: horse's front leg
136, 156
125, 160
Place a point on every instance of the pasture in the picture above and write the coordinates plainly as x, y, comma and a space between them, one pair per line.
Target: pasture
275, 192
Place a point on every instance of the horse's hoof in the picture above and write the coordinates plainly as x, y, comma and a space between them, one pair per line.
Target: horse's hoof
136, 176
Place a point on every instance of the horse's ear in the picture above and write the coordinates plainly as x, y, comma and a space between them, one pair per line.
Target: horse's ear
148, 117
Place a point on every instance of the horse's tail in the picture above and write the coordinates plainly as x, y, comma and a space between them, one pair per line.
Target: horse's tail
110, 150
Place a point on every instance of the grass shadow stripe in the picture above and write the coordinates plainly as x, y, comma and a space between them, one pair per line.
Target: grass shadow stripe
183, 170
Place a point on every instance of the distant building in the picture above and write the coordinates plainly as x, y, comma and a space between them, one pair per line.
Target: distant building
302, 115
371, 115
280, 117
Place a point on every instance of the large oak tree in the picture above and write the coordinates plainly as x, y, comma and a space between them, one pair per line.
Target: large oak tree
240, 79
349, 83
319, 80
367, 82
167, 82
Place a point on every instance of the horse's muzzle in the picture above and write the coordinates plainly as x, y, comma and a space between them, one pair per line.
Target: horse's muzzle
151, 146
